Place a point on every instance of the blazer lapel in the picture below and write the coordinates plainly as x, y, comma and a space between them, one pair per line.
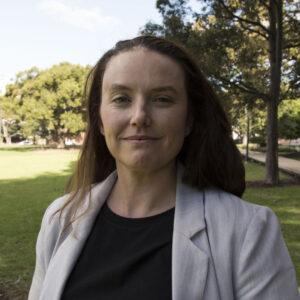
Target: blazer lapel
189, 262
68, 251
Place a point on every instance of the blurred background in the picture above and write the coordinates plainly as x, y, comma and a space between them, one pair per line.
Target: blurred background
248, 50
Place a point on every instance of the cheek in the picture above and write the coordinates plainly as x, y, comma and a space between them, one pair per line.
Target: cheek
112, 122
175, 129
176, 122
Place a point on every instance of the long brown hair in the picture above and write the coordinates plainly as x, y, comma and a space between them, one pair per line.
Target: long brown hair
209, 154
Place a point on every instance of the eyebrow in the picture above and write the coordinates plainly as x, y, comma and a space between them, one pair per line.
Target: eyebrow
167, 88
120, 87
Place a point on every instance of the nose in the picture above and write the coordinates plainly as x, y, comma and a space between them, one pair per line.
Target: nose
140, 116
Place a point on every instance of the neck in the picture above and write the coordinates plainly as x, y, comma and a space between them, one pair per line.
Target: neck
139, 194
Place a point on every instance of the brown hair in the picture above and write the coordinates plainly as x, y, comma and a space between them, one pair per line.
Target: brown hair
209, 154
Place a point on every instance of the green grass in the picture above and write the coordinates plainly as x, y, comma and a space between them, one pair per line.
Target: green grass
256, 172
30, 181
285, 202
21, 165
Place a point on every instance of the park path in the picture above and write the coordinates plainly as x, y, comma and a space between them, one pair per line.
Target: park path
289, 165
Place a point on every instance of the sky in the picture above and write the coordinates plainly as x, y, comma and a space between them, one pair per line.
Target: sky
43, 33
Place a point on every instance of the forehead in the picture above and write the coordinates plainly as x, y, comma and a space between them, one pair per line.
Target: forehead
143, 67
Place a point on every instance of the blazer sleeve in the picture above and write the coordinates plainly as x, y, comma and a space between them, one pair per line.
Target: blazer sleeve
265, 270
46, 242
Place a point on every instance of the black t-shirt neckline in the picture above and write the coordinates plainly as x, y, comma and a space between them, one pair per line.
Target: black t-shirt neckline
134, 222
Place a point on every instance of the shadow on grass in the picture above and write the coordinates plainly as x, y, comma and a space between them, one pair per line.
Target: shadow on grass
22, 205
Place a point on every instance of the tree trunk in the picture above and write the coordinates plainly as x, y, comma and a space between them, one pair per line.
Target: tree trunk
1, 139
61, 143
275, 52
271, 176
248, 136
59, 138
5, 132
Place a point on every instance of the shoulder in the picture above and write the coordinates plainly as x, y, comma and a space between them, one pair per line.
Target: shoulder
54, 220
236, 223
250, 237
51, 228
228, 207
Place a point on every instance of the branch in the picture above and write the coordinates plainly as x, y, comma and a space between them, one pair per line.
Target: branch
263, 3
244, 88
288, 46
289, 95
242, 19
254, 31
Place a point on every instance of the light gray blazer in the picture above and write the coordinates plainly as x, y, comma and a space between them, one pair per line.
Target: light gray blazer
223, 248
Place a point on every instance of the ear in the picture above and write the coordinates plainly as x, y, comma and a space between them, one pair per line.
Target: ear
101, 128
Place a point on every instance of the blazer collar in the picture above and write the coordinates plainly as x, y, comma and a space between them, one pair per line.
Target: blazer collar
189, 209
189, 206
189, 262
70, 245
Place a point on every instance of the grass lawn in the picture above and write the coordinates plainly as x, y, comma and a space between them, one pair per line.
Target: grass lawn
30, 181
256, 172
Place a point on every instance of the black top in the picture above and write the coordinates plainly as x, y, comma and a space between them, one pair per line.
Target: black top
124, 258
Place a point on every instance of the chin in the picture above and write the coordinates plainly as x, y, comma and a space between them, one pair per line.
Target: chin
147, 165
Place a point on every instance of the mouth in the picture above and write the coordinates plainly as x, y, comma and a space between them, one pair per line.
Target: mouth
140, 138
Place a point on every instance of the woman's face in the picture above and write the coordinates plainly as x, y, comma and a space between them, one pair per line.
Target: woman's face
143, 109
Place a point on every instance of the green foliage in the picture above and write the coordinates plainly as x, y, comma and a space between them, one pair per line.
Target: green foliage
289, 119
231, 42
175, 26
257, 120
47, 103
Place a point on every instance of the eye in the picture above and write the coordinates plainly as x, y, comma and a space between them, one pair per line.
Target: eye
120, 100
163, 99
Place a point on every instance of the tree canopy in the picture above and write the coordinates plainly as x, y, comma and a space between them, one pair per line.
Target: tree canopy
47, 103
249, 50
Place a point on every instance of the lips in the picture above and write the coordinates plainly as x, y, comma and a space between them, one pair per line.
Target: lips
140, 137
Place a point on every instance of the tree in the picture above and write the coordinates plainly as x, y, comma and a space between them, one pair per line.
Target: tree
47, 103
289, 119
175, 26
248, 50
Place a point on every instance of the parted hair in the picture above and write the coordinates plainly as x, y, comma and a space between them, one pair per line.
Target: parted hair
210, 157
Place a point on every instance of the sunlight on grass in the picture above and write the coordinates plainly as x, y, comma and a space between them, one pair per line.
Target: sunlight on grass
29, 182
14, 164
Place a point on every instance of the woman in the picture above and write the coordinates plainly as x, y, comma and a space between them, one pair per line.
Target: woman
153, 210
